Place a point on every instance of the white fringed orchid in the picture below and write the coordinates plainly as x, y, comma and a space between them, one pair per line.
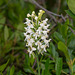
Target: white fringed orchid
36, 33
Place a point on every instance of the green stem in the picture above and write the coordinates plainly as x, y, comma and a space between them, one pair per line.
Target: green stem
38, 65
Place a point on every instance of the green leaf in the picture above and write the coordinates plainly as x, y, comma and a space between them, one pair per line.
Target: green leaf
58, 37
47, 67
71, 27
42, 72
8, 70
12, 16
70, 14
31, 60
27, 61
73, 68
28, 69
1, 26
66, 70
64, 29
58, 66
12, 70
42, 66
72, 43
2, 20
71, 4
19, 73
2, 67
63, 48
18, 33
6, 33
52, 49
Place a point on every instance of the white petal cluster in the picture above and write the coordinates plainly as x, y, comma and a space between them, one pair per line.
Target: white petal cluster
36, 33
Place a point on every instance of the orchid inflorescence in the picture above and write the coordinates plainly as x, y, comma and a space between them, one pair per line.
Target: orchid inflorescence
36, 33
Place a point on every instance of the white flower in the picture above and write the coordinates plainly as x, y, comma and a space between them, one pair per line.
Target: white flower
43, 47
39, 14
39, 30
36, 33
38, 43
36, 17
27, 21
45, 21
30, 50
42, 24
30, 42
28, 15
29, 30
47, 42
44, 37
27, 36
30, 25
33, 15
45, 27
40, 11
33, 49
45, 32
33, 12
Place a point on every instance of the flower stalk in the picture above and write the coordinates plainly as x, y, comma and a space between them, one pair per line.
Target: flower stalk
38, 64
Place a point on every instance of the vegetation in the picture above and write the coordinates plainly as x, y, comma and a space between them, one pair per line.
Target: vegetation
60, 56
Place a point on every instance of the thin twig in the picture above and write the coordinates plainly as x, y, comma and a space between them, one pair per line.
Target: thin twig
43, 2
47, 12
34, 63
59, 5
52, 29
72, 30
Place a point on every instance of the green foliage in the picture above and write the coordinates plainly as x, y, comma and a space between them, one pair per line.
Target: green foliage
70, 14
52, 49
71, 4
6, 33
60, 56
12, 70
63, 48
58, 66
2, 67
58, 37
47, 67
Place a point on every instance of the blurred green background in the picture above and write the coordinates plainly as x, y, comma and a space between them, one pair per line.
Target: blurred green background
12, 45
